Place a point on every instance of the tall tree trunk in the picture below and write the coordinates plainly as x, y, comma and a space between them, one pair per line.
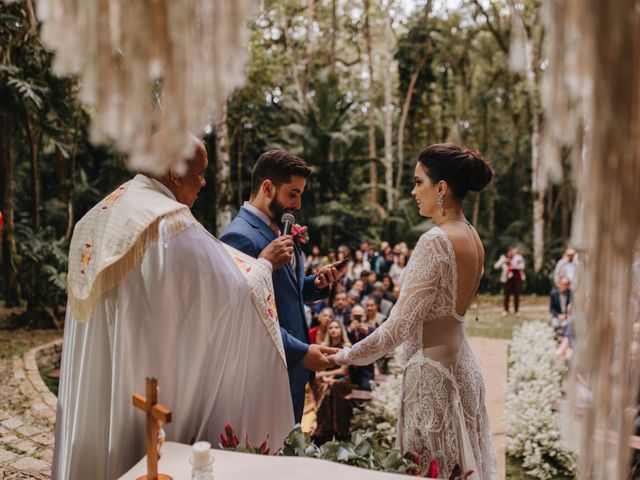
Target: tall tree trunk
373, 166
35, 173
407, 102
334, 32
9, 251
484, 147
403, 120
537, 188
388, 112
224, 194
72, 174
308, 62
299, 82
525, 60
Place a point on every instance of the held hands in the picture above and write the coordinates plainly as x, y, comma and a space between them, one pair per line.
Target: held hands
317, 358
279, 252
327, 275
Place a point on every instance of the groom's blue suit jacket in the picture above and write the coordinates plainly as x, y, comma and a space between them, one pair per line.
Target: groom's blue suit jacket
251, 235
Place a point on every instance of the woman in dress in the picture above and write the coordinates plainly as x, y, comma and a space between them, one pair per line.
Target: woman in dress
442, 413
318, 333
330, 388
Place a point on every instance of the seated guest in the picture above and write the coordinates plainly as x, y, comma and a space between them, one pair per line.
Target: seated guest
560, 303
396, 292
387, 263
341, 310
367, 285
312, 262
357, 265
397, 268
386, 299
330, 387
330, 257
361, 377
353, 298
318, 333
372, 305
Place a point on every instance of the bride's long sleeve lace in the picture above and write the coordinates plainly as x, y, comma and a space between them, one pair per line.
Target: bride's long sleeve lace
420, 285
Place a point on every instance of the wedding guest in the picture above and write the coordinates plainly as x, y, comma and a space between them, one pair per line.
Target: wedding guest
380, 260
358, 286
387, 282
386, 299
353, 298
567, 267
312, 262
396, 292
372, 305
359, 329
560, 303
357, 265
318, 333
341, 310
364, 248
387, 263
397, 268
330, 387
504, 264
515, 280
367, 286
330, 257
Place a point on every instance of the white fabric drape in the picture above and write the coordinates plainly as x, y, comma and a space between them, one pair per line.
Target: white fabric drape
185, 316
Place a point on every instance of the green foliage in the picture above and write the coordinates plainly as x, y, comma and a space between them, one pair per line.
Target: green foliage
464, 93
364, 449
42, 271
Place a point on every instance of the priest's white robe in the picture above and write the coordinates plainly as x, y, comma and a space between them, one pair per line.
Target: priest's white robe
185, 315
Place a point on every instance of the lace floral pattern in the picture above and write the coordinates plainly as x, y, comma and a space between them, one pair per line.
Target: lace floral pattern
442, 413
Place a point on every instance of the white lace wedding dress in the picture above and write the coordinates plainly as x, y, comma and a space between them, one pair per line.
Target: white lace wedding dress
442, 412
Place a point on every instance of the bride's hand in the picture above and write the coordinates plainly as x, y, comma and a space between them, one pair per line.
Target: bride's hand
332, 358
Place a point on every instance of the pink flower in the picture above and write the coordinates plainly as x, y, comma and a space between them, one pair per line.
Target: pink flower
230, 441
300, 234
433, 469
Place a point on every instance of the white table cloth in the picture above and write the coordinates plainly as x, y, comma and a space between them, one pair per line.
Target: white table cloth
229, 465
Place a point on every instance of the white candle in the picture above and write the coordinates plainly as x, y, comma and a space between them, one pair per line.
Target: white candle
201, 452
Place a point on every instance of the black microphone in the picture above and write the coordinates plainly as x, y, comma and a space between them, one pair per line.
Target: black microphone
287, 221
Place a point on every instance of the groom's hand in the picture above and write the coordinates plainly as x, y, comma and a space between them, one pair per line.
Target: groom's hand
279, 252
327, 275
316, 357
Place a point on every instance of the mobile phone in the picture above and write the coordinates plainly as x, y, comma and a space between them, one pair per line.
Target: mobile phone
343, 263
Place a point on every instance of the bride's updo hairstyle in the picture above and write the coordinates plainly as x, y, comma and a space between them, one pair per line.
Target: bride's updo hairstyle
462, 169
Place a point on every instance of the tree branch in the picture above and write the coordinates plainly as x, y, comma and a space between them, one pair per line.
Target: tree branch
496, 34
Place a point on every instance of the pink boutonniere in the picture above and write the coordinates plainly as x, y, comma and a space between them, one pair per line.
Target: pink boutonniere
300, 234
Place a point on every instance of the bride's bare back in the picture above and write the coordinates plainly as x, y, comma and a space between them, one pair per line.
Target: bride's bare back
442, 415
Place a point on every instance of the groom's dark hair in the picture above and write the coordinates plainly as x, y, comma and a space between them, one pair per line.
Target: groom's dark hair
277, 166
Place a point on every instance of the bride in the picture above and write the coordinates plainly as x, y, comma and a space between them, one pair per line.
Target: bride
442, 414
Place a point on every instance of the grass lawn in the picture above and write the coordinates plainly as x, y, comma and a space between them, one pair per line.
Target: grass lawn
492, 324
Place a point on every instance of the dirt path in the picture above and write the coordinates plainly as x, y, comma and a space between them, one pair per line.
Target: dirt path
492, 354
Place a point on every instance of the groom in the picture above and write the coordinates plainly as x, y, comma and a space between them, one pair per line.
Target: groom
277, 182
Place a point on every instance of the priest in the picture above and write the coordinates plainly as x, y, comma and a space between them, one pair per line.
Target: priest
152, 293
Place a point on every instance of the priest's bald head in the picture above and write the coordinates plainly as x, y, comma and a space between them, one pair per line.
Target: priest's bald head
185, 184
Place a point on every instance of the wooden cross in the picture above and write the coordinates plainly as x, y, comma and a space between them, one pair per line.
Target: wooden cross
156, 415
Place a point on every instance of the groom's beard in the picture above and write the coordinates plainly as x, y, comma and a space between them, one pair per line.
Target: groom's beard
277, 209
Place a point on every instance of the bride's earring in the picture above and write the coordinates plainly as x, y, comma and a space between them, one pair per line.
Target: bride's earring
440, 203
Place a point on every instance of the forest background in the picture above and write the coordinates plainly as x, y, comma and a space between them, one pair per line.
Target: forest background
356, 87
